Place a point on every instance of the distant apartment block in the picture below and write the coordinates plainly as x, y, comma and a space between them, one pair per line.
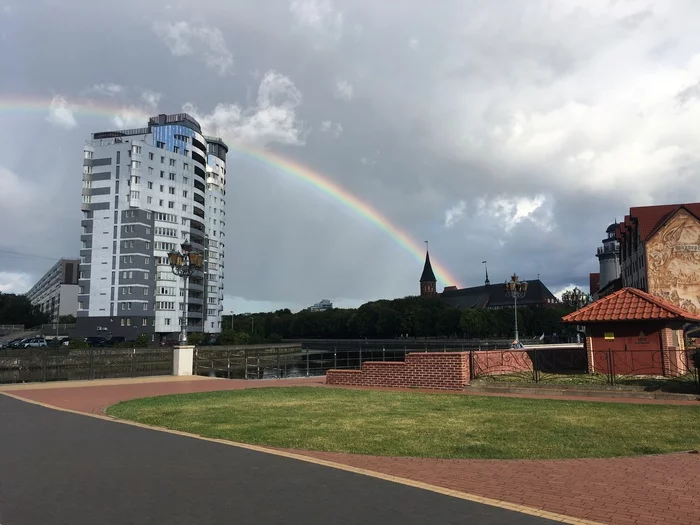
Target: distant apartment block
145, 191
322, 305
56, 293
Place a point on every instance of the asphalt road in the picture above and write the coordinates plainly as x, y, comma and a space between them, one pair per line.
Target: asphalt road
63, 468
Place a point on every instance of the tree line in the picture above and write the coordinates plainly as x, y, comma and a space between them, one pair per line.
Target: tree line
421, 317
18, 309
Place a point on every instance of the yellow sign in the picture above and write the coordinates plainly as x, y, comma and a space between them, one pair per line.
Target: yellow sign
609, 336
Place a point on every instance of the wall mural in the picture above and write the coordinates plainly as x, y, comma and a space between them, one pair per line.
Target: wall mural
673, 262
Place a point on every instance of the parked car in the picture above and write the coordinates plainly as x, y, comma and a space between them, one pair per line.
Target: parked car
35, 342
58, 341
21, 343
96, 341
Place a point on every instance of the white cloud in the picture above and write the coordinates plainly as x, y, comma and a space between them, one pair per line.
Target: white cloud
332, 128
135, 115
108, 89
15, 282
455, 214
414, 43
7, 9
273, 119
343, 90
183, 37
60, 113
151, 98
509, 212
318, 15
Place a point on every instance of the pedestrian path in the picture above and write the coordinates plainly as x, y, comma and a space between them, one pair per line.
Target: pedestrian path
641, 490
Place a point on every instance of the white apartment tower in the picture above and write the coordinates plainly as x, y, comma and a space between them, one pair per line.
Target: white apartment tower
145, 191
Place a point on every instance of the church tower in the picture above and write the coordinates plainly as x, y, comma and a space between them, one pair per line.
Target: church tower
428, 282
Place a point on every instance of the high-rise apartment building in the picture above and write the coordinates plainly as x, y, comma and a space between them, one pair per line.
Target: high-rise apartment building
56, 293
145, 191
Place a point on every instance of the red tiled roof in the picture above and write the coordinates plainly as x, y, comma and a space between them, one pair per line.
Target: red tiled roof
629, 304
649, 218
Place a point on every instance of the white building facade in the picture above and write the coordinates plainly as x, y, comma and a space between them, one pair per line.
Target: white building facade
145, 191
56, 293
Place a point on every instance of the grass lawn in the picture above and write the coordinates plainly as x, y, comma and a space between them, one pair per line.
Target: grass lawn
422, 425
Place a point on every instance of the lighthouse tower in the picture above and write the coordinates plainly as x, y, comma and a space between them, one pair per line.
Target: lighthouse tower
609, 257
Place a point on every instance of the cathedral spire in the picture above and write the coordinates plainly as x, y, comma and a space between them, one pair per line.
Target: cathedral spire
428, 282
487, 282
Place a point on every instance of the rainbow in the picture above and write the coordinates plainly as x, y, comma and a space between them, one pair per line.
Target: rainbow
282, 164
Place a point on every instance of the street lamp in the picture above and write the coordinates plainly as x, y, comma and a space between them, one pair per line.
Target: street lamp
579, 299
185, 264
517, 290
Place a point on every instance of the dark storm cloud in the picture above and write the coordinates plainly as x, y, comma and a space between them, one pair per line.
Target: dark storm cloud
502, 131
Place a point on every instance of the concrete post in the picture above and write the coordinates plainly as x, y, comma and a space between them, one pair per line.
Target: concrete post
183, 360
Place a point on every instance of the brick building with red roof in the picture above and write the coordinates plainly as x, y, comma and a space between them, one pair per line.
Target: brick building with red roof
633, 332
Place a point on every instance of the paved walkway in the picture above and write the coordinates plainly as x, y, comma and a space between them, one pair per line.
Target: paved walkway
640, 490
65, 468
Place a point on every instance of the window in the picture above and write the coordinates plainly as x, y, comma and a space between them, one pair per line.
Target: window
185, 166
148, 245
167, 321
145, 291
172, 176
150, 185
137, 149
148, 216
160, 202
123, 320
171, 190
128, 319
124, 275
88, 154
160, 144
185, 180
118, 155
184, 206
149, 200
145, 275
184, 193
162, 188
162, 160
171, 204
147, 260
162, 174
176, 149
150, 157
144, 322
172, 162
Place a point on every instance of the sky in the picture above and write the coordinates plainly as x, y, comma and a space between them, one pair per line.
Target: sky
512, 132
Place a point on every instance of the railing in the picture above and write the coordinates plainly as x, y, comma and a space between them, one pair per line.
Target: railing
314, 358
38, 365
7, 329
646, 369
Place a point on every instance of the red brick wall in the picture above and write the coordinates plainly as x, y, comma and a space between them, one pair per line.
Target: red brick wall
433, 370
497, 362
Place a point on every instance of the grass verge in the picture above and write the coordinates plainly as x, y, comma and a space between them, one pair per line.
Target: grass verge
422, 425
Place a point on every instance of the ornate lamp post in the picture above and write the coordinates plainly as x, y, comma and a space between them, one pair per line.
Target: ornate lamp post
184, 264
579, 299
517, 290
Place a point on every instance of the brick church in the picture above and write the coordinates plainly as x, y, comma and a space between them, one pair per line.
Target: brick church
486, 296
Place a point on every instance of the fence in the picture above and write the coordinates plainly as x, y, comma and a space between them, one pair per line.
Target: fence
28, 365
314, 357
653, 369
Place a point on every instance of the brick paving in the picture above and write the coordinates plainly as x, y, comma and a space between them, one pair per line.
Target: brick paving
640, 490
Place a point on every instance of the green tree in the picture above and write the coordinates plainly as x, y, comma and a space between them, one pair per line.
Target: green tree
17, 309
66, 319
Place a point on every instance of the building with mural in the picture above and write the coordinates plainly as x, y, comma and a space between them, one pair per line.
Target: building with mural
660, 252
